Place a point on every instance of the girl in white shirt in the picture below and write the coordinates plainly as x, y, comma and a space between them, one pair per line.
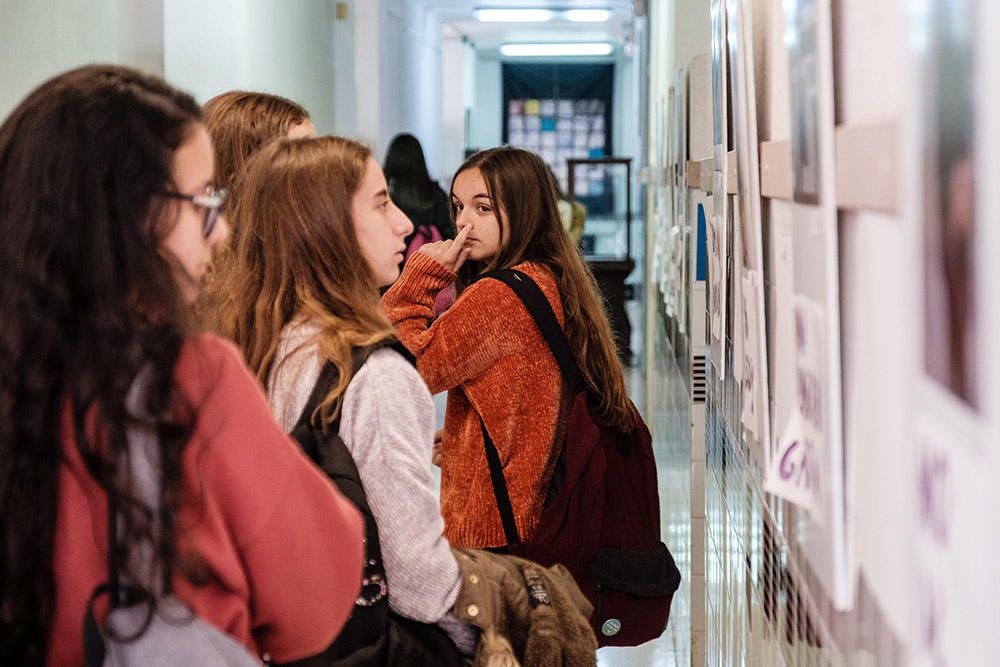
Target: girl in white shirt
319, 236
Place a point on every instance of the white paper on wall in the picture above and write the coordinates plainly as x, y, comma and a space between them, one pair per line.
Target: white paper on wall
717, 281
781, 314
955, 583
797, 472
736, 293
879, 375
753, 393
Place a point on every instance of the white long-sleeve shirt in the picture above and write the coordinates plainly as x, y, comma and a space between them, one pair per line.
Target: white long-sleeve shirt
387, 423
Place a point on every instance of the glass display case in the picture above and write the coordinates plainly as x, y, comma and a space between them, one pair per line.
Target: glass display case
604, 187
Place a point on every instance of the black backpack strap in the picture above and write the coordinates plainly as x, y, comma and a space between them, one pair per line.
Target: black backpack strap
328, 375
500, 488
538, 307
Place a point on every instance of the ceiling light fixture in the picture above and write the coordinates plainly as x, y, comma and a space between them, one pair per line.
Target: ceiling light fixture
587, 15
514, 15
554, 49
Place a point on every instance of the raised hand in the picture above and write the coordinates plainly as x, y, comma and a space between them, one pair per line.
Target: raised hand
436, 450
450, 253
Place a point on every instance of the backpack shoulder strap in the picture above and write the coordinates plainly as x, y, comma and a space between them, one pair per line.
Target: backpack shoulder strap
538, 307
328, 375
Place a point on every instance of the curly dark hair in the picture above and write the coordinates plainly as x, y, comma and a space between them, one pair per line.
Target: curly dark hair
87, 302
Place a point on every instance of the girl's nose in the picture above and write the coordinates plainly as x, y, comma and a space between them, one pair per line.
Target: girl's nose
403, 222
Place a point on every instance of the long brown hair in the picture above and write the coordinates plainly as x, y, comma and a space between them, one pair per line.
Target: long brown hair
240, 122
83, 160
519, 184
299, 257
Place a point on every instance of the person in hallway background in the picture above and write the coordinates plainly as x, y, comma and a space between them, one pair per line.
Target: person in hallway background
421, 198
107, 223
414, 192
572, 213
321, 236
487, 351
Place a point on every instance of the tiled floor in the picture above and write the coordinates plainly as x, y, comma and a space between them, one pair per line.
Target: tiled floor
669, 421
670, 424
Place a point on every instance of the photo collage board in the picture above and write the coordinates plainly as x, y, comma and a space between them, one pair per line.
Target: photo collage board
563, 112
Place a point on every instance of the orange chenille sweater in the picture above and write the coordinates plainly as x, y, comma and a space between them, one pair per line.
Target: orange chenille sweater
490, 356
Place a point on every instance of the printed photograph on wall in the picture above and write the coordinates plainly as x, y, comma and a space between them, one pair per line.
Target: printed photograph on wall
949, 207
718, 221
951, 147
749, 262
803, 68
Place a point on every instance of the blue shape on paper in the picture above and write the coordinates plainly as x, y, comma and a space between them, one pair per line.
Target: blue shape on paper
701, 262
595, 152
548, 124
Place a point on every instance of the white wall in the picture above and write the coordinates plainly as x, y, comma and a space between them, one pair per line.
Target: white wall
457, 95
411, 78
486, 119
283, 48
40, 38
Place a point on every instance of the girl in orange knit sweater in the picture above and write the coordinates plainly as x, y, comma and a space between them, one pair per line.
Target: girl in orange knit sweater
487, 352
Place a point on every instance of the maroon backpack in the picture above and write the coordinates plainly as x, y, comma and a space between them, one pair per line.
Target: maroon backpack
602, 513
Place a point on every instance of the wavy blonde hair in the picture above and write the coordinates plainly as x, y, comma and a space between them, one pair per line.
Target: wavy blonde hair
298, 256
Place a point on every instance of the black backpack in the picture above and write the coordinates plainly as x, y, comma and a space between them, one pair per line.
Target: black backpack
374, 634
601, 518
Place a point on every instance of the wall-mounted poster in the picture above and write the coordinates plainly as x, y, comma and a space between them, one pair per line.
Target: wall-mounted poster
816, 411
718, 216
950, 348
717, 269
681, 216
749, 346
952, 145
561, 112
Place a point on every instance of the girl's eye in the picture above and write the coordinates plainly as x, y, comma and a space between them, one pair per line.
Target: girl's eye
483, 208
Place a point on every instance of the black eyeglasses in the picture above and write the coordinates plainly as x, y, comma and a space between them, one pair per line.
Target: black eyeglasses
212, 201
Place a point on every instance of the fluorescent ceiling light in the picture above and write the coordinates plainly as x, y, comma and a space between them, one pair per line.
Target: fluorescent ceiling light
566, 49
587, 15
514, 15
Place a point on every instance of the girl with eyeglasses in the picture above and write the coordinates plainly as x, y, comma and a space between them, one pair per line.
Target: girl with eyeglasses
106, 227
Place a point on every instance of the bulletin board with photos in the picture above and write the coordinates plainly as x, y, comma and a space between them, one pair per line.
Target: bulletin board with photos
563, 112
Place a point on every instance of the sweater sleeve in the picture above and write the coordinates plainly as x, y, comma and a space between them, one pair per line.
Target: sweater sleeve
464, 342
299, 539
388, 424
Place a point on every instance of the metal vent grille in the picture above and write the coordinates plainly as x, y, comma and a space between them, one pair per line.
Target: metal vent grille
698, 379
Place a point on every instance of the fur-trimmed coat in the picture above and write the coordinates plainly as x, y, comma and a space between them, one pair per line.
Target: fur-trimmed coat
528, 615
